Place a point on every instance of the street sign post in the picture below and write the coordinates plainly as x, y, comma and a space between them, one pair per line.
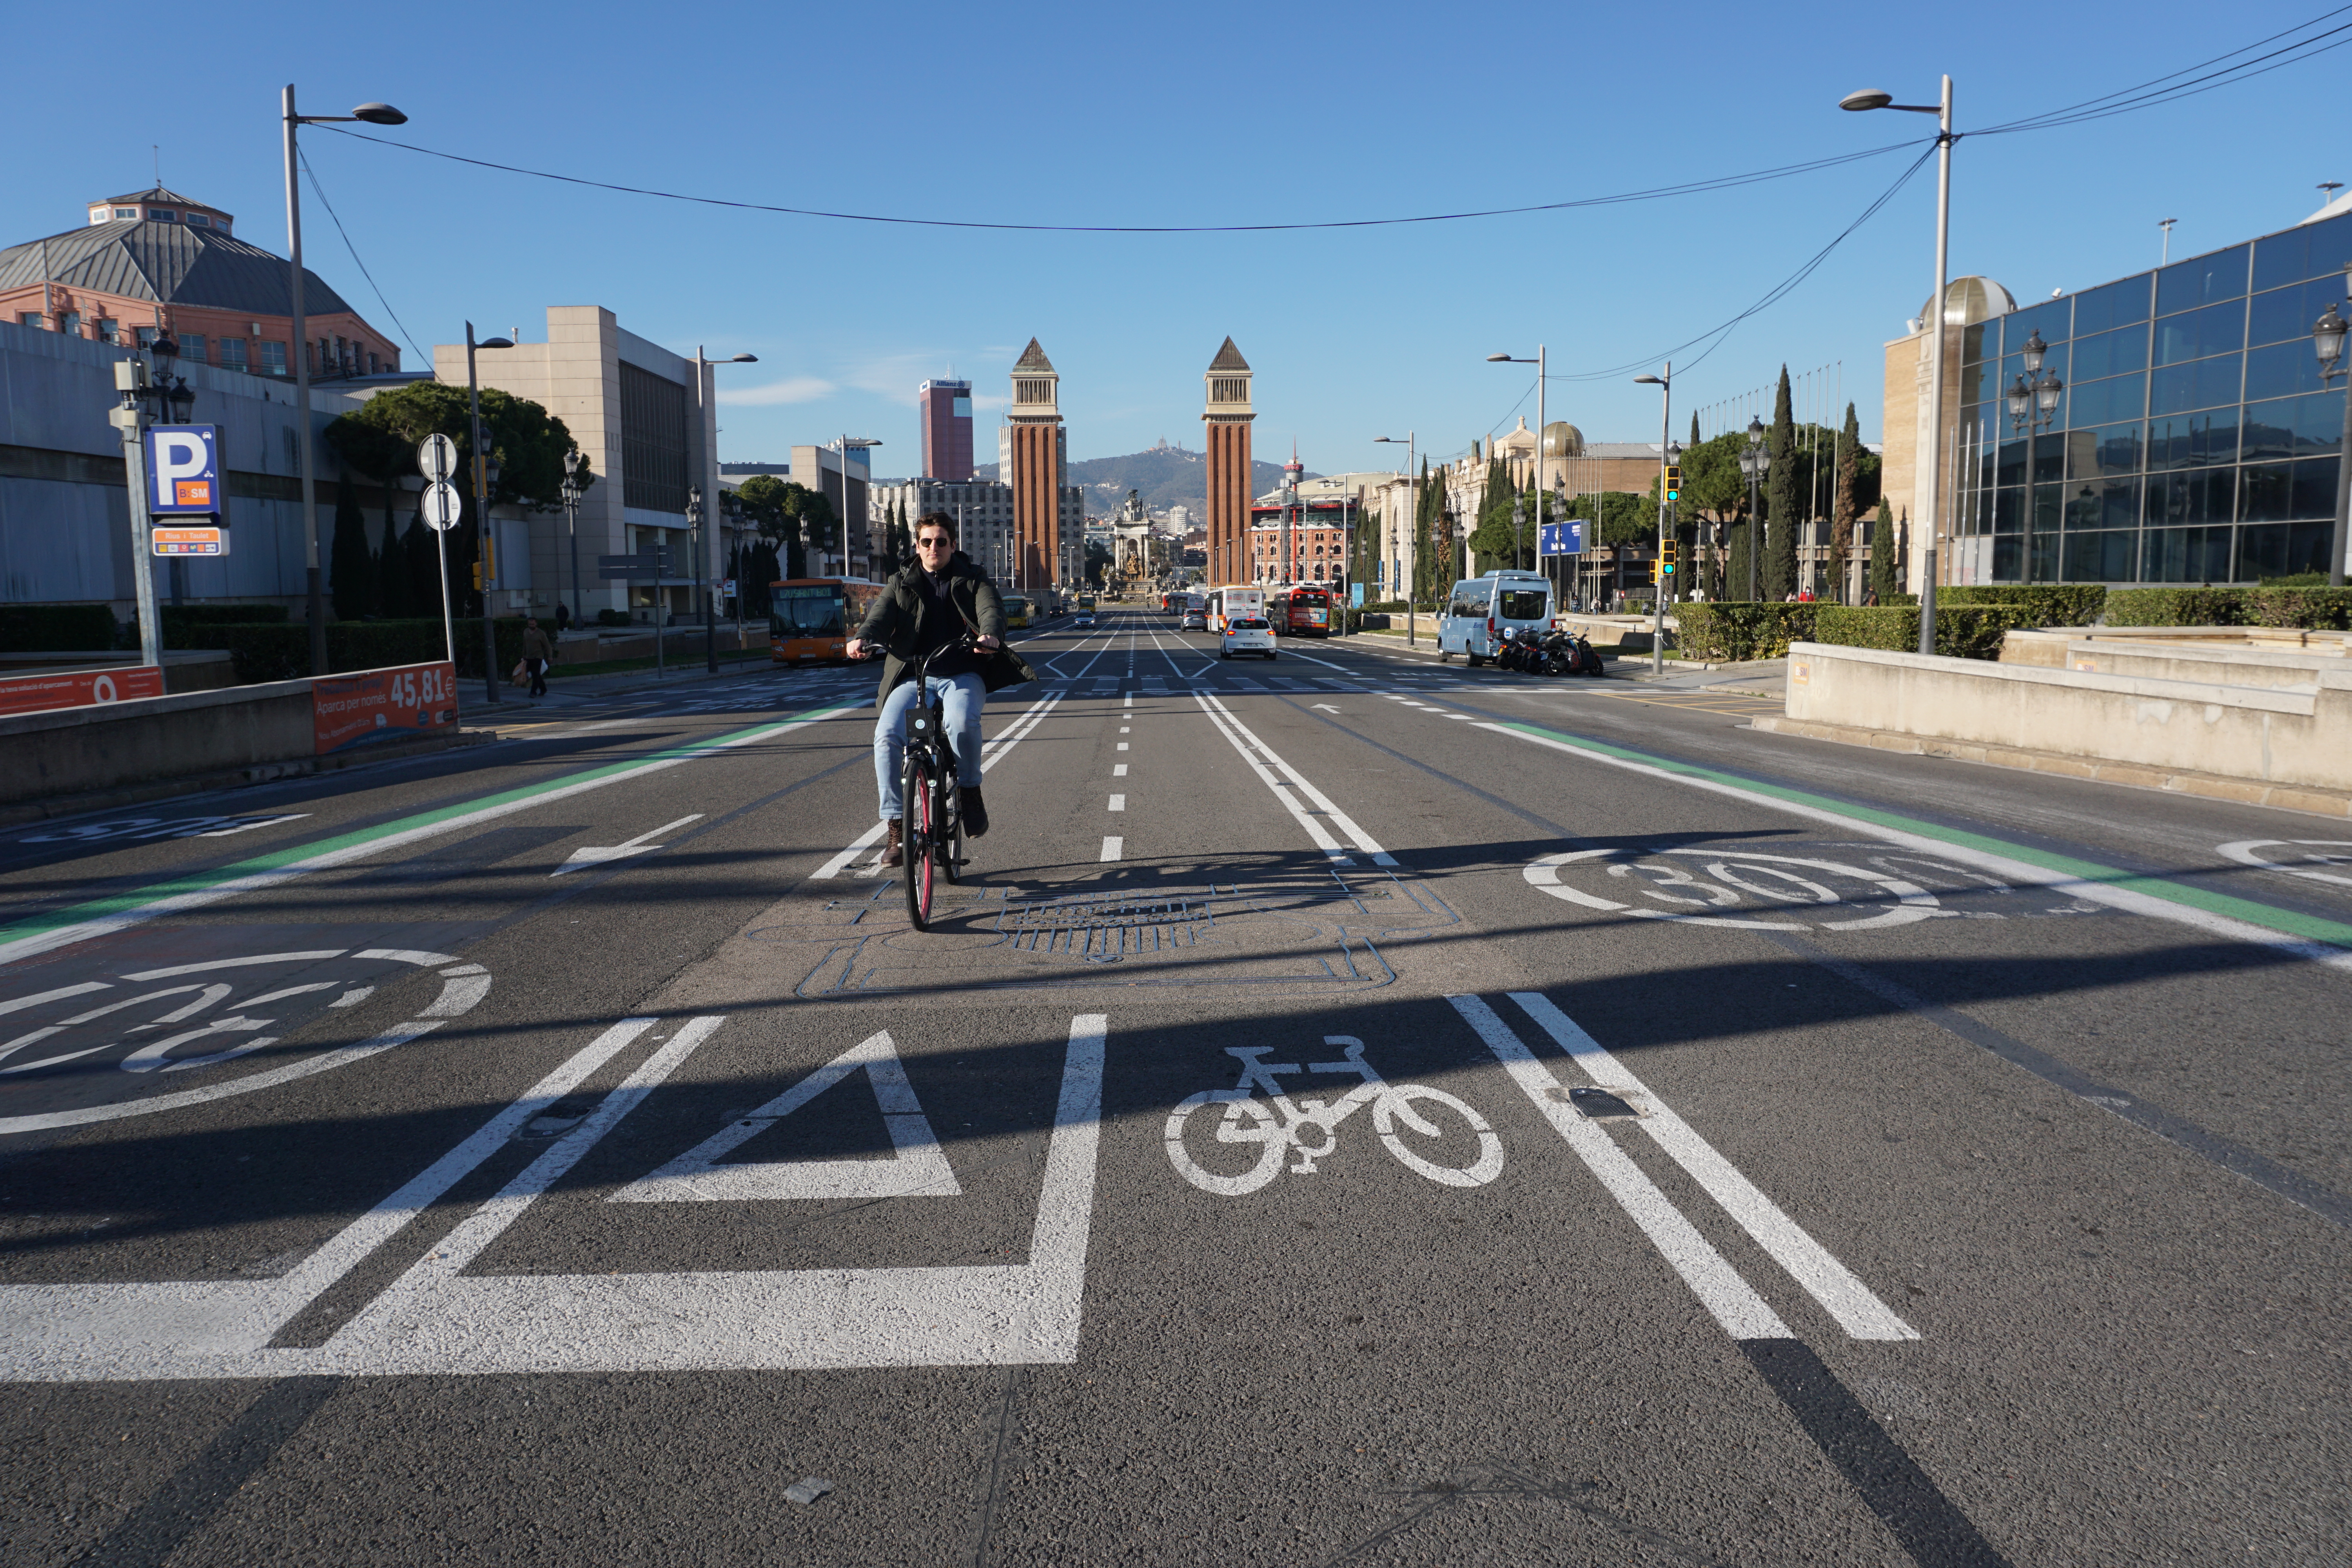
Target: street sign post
1565, 538
436, 457
183, 469
439, 506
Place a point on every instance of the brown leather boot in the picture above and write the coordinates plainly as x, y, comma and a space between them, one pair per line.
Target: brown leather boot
894, 853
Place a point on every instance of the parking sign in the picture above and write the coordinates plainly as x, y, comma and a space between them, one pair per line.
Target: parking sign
183, 469
1560, 538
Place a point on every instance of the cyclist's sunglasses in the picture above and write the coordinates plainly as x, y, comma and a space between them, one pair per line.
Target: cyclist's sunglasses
935, 542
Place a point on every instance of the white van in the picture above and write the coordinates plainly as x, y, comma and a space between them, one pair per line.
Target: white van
1485, 610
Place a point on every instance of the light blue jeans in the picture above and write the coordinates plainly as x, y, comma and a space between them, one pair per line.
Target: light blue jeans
963, 697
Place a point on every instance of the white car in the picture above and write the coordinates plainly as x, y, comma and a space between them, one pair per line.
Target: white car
1249, 634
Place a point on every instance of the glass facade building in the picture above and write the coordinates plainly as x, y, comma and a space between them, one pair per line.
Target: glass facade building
2193, 441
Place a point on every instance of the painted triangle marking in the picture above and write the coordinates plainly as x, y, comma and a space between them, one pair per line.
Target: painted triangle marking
919, 1169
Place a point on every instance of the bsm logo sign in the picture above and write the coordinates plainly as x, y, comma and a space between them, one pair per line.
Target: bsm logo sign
183, 469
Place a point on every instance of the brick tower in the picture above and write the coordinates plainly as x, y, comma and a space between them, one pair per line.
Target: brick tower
1040, 463
1228, 416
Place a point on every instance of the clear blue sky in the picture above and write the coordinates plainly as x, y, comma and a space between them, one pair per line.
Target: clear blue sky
1200, 113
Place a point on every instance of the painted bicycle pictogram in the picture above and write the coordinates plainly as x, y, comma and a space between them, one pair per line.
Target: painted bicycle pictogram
1308, 1129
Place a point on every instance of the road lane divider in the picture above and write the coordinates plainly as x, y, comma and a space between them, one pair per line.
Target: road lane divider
2288, 932
79, 923
1858, 1310
1289, 785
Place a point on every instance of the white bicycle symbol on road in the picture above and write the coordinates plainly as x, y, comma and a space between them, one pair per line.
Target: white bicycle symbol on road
1310, 1127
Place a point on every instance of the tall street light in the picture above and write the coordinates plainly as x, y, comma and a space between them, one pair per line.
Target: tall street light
2032, 406
705, 566
1874, 99
1413, 493
2327, 338
484, 554
374, 114
1664, 382
571, 494
1755, 463
1539, 363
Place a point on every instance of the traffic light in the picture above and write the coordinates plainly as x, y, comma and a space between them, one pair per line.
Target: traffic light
1674, 482
1672, 554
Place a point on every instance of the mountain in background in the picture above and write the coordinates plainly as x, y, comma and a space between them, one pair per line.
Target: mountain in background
1164, 476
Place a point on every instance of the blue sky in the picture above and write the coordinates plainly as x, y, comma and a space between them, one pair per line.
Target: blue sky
1202, 114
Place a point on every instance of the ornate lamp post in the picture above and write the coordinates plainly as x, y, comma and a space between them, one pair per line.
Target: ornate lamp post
2033, 407
571, 494
2327, 338
1754, 463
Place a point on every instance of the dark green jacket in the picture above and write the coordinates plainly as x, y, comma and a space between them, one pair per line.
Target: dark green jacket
900, 621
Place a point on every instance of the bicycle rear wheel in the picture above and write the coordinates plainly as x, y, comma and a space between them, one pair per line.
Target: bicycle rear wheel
919, 803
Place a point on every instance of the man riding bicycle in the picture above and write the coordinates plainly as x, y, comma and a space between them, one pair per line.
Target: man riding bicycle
929, 609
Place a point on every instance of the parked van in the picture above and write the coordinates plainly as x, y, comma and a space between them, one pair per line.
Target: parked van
1485, 610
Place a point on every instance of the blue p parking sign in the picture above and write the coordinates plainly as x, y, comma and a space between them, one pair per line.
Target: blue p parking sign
183, 469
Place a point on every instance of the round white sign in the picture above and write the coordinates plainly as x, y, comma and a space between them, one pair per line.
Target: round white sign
436, 457
441, 505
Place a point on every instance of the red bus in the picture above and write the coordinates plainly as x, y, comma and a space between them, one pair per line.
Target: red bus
1301, 611
814, 617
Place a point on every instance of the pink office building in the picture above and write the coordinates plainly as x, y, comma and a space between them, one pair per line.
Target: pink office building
945, 408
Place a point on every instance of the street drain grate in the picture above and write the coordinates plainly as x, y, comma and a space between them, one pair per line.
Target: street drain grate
1597, 1104
1104, 928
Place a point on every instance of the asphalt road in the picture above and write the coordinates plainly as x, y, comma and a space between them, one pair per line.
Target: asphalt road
1354, 1109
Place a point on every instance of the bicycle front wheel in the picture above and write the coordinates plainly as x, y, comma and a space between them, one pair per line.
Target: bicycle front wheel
1235, 1118
951, 829
1398, 1105
918, 802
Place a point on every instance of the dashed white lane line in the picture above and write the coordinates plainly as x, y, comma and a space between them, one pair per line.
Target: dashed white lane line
1731, 1300
1119, 770
1113, 847
1119, 803
1288, 784
1858, 1312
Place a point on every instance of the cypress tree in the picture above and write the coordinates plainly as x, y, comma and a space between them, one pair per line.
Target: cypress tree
392, 585
1885, 572
1841, 509
1694, 440
351, 568
1780, 536
1735, 564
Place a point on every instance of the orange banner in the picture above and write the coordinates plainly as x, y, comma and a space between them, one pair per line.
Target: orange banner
377, 704
77, 688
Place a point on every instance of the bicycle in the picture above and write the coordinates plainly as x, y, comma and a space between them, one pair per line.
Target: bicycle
930, 805
1278, 1123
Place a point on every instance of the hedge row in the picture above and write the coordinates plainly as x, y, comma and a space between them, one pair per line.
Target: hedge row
281, 650
56, 629
1962, 631
2311, 609
2048, 605
1736, 631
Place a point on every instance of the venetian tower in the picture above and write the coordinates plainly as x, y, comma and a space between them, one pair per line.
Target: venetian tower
1040, 464
1228, 417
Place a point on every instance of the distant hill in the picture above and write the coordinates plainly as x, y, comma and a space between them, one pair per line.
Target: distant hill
1165, 477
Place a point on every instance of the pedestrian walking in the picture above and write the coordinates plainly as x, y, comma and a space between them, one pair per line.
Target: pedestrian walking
538, 653
562, 618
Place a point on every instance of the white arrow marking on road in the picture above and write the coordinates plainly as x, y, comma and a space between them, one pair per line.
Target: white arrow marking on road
596, 856
1327, 708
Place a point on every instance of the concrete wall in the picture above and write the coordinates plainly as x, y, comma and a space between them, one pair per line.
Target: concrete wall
81, 749
2298, 734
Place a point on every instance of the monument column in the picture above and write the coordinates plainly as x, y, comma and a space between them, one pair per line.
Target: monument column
1228, 417
1037, 468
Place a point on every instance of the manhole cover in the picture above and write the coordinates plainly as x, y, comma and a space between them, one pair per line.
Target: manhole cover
1105, 928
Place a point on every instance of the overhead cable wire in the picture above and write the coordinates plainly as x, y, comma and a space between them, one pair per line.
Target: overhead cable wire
2148, 93
1658, 192
320, 192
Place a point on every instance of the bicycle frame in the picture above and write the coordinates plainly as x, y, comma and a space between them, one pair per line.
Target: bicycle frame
1260, 1074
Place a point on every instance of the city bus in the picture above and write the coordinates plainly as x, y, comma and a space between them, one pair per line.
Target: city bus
1233, 603
1301, 611
1016, 612
811, 618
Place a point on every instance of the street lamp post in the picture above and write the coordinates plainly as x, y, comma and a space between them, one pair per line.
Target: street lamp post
1538, 488
571, 494
1874, 99
2032, 406
1664, 382
706, 557
1412, 496
374, 114
2327, 338
485, 555
1755, 463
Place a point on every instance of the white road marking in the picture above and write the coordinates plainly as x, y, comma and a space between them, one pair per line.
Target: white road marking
1119, 770
1858, 1310
1730, 1300
1113, 847
1119, 803
2242, 852
597, 856
1276, 774
2019, 873
919, 1168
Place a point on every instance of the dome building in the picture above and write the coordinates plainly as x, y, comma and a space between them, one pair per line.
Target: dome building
154, 260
